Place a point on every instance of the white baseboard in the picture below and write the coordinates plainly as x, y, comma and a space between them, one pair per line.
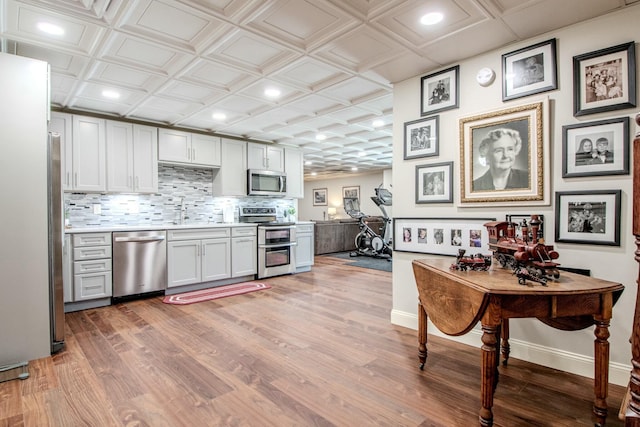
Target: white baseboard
566, 361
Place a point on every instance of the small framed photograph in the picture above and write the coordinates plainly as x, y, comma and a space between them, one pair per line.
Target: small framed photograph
604, 80
596, 148
319, 197
351, 192
504, 157
529, 70
588, 217
421, 138
441, 236
434, 183
439, 91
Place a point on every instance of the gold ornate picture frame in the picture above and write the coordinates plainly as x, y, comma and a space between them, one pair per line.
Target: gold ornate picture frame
528, 166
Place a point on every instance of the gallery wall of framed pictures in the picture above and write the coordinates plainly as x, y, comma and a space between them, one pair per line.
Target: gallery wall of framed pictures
505, 156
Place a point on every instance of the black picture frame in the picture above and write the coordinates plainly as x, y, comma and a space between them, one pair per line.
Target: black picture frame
421, 138
441, 236
530, 70
434, 183
440, 91
588, 217
577, 162
319, 196
593, 93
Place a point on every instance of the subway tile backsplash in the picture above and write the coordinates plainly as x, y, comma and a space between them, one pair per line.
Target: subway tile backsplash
174, 184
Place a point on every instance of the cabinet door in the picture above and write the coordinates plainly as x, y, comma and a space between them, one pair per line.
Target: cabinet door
275, 158
244, 256
205, 150
145, 159
61, 123
119, 156
216, 259
256, 156
231, 178
304, 250
174, 146
92, 286
89, 154
183, 263
293, 166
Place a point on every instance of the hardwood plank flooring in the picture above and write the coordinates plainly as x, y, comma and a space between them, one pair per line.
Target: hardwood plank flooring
317, 349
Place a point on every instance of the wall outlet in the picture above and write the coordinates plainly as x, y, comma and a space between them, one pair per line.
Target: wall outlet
97, 208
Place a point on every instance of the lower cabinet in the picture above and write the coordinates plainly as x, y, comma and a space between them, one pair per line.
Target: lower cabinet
198, 255
244, 251
305, 247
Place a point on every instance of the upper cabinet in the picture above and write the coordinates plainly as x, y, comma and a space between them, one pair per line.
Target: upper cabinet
294, 167
61, 123
132, 158
188, 148
89, 154
231, 178
265, 157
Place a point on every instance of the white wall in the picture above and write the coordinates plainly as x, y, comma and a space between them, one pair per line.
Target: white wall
531, 340
367, 183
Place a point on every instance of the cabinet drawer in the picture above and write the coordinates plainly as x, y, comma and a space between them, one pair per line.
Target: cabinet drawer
91, 239
199, 233
92, 266
91, 252
304, 228
92, 286
243, 231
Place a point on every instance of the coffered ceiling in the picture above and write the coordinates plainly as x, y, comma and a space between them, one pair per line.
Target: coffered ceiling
176, 63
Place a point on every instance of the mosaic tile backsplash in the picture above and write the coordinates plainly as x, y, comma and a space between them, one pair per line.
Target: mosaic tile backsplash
176, 185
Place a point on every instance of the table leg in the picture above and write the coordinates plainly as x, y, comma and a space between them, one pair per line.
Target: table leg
422, 335
506, 348
489, 370
601, 378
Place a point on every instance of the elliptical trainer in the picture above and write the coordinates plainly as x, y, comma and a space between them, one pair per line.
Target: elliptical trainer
368, 242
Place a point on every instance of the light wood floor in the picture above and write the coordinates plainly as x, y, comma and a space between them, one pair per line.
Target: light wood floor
315, 350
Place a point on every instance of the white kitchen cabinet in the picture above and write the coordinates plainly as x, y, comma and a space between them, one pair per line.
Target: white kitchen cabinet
176, 146
62, 123
67, 269
304, 248
89, 155
231, 178
92, 277
132, 158
244, 251
265, 157
198, 255
294, 168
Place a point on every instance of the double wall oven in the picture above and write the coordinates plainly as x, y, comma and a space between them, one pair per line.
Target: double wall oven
276, 241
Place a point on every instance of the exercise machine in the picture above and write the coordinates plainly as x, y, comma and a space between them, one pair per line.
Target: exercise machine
368, 242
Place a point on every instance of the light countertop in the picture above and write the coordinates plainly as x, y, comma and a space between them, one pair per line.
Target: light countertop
149, 227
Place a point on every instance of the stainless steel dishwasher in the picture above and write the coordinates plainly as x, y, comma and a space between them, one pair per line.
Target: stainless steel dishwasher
139, 262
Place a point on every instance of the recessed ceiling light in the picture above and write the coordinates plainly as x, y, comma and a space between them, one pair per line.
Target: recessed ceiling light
219, 116
314, 173
431, 18
272, 92
362, 154
112, 94
377, 123
354, 169
49, 28
308, 162
321, 137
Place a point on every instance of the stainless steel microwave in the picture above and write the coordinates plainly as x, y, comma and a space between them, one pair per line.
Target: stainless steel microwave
266, 183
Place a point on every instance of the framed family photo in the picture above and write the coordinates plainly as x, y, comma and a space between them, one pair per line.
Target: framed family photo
604, 80
439, 91
596, 148
421, 138
319, 197
588, 217
441, 236
351, 192
504, 157
529, 70
434, 183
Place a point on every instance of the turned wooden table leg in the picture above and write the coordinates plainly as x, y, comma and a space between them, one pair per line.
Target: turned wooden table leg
601, 353
489, 370
506, 348
422, 335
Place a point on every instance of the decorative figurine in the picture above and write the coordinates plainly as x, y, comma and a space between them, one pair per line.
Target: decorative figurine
475, 262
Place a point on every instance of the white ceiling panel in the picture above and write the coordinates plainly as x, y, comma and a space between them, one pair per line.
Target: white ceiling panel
175, 62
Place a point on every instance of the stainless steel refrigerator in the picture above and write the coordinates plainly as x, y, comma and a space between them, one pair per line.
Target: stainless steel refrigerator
56, 237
